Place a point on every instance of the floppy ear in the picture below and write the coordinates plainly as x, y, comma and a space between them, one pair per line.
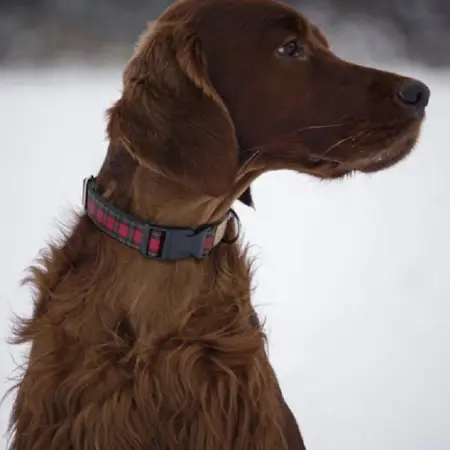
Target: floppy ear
170, 118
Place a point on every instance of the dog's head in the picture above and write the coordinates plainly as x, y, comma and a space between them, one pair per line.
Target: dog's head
219, 92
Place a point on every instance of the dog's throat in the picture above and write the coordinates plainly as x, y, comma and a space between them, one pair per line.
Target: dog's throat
152, 241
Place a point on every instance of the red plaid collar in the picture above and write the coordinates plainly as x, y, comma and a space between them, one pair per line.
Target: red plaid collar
153, 241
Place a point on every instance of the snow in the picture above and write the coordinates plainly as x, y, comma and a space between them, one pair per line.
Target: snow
353, 276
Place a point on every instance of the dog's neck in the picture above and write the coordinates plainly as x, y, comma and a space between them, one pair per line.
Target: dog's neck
150, 195
164, 299
157, 294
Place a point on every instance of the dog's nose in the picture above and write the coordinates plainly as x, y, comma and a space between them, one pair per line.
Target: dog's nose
415, 94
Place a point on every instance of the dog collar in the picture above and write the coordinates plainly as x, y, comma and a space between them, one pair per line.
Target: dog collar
152, 241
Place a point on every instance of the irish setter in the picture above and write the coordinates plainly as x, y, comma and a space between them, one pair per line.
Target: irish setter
143, 335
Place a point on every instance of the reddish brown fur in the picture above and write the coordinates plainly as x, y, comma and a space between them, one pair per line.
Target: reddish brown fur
130, 353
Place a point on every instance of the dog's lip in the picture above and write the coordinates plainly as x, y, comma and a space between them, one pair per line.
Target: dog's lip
367, 164
377, 164
322, 159
318, 160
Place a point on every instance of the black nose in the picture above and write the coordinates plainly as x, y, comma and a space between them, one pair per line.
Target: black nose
414, 94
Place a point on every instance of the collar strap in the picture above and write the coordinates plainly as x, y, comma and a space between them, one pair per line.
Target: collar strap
152, 241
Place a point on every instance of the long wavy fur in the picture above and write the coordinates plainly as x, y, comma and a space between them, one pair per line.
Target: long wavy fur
91, 383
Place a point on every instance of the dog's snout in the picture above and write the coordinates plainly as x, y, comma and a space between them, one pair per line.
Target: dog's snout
414, 94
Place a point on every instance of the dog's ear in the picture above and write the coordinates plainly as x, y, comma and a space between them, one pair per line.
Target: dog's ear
170, 118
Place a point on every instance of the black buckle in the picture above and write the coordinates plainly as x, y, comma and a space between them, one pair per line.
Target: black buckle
178, 243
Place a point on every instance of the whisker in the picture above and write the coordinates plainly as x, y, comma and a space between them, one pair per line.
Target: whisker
353, 138
298, 130
316, 127
328, 150
250, 160
365, 136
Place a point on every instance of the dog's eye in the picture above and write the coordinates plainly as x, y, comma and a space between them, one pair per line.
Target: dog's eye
291, 49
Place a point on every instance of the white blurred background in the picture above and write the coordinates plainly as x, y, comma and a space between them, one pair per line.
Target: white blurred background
355, 288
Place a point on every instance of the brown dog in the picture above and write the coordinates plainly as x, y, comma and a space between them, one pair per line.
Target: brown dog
144, 336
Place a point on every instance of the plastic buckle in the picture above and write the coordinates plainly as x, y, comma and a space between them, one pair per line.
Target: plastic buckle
184, 244
178, 243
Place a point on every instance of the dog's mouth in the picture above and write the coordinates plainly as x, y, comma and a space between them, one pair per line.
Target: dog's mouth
372, 159
382, 160
379, 149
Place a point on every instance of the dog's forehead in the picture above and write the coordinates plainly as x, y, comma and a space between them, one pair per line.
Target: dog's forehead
240, 14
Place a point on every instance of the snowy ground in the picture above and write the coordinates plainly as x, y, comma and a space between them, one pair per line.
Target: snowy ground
356, 287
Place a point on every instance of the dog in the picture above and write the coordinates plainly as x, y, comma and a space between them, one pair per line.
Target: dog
143, 335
